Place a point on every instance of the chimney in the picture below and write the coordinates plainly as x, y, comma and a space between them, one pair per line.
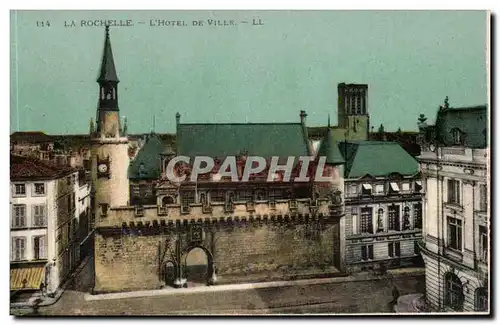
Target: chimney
178, 118
303, 116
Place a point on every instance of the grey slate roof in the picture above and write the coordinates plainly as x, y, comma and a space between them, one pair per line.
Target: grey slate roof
254, 139
471, 121
329, 148
147, 163
376, 158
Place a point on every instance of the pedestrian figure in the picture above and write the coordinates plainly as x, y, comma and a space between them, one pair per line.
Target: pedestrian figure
42, 289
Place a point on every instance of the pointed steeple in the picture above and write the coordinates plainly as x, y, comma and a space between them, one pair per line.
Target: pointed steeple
108, 81
329, 148
108, 71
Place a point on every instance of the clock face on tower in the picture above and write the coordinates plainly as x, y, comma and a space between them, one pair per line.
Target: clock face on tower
102, 168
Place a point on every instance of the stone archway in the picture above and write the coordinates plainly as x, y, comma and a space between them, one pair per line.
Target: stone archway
197, 265
169, 272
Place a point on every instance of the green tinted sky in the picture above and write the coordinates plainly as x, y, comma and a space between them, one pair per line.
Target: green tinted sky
410, 60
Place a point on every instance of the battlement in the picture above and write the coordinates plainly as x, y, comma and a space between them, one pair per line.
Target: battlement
280, 210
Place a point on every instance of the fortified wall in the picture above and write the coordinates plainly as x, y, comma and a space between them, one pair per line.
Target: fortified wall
146, 247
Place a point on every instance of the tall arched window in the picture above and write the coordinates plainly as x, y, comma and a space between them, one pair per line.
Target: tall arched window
114, 93
454, 295
481, 299
406, 218
380, 220
203, 199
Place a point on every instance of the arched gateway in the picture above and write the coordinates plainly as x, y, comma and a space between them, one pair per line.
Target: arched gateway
197, 265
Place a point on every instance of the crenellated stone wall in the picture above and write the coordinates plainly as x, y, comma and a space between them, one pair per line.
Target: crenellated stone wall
242, 245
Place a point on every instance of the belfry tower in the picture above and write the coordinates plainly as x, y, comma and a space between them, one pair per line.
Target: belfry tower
353, 110
110, 159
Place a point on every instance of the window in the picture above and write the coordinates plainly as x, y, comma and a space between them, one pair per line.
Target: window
483, 198
142, 170
104, 209
483, 244
366, 225
217, 196
455, 233
481, 299
417, 215
19, 189
366, 252
394, 187
353, 189
18, 245
19, 216
260, 195
379, 189
380, 220
394, 217
135, 190
39, 217
203, 199
145, 190
245, 195
405, 187
394, 249
167, 200
39, 247
187, 198
406, 218
275, 194
457, 136
453, 191
418, 186
454, 296
366, 189
358, 104
39, 188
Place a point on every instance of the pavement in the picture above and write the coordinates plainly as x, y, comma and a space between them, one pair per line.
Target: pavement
40, 301
361, 293
367, 276
408, 304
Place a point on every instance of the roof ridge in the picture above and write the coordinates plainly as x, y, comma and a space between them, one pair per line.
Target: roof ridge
249, 123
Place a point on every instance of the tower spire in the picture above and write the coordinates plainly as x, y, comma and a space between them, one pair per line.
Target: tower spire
328, 120
108, 71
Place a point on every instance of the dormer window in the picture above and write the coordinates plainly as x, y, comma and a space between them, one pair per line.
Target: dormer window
394, 187
142, 169
366, 189
458, 136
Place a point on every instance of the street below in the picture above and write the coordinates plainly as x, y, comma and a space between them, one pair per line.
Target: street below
371, 296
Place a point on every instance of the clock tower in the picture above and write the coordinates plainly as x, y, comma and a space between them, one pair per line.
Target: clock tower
110, 158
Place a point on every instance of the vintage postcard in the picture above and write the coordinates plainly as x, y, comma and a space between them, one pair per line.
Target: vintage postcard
249, 163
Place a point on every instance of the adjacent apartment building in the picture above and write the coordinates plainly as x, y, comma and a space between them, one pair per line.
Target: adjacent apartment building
383, 203
50, 222
455, 246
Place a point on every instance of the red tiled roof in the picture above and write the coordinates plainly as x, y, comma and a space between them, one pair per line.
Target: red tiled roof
22, 167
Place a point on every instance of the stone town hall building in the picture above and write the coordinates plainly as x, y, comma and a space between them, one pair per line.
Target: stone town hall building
253, 231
